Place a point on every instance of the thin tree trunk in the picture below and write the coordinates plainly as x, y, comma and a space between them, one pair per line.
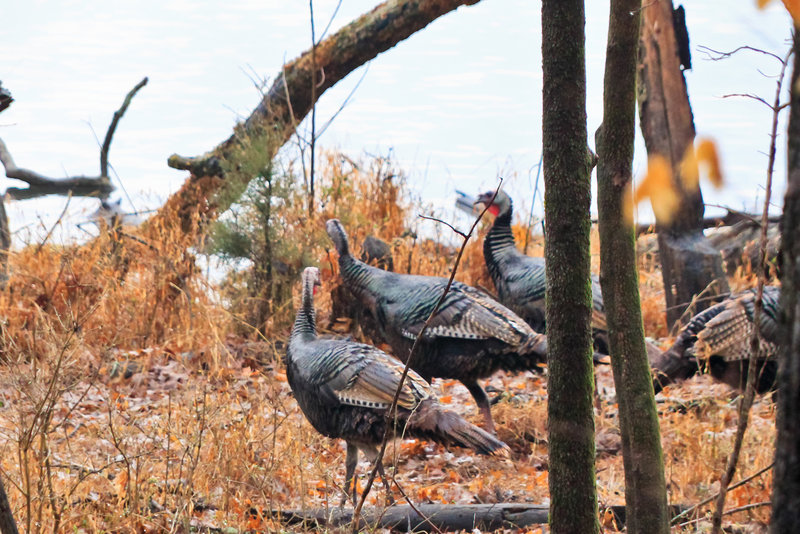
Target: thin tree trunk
689, 264
645, 486
7, 523
573, 498
220, 176
5, 243
786, 490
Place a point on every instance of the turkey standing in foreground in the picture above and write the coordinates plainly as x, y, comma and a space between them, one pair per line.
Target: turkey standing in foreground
520, 279
471, 336
719, 337
346, 388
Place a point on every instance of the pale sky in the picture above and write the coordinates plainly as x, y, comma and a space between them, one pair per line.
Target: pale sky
457, 104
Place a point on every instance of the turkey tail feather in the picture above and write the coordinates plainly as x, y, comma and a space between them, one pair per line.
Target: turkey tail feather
449, 427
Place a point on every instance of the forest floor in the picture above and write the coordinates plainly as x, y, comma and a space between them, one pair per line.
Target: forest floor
148, 440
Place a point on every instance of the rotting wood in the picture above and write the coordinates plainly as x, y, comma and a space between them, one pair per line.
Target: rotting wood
690, 265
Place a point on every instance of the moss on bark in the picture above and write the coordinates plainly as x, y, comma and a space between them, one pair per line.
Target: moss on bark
573, 498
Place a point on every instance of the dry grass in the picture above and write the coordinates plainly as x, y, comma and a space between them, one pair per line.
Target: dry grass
129, 404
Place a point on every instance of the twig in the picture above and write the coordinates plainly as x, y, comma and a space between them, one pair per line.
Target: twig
533, 203
716, 495
52, 228
724, 55
758, 306
344, 102
453, 228
113, 126
748, 507
330, 20
392, 412
313, 143
753, 97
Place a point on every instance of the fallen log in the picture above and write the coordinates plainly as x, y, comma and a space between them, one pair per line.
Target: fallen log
444, 517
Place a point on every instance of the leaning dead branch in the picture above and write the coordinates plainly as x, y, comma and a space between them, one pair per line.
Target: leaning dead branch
86, 186
221, 175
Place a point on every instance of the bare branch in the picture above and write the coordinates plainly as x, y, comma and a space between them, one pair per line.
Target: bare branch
753, 97
42, 185
83, 186
716, 55
330, 20
113, 126
453, 228
344, 102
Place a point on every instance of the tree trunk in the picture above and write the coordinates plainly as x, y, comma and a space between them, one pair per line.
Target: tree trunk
573, 498
786, 490
689, 264
220, 176
7, 523
5, 242
645, 485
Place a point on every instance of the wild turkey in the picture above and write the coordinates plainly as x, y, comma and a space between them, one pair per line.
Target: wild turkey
718, 338
470, 338
520, 279
345, 389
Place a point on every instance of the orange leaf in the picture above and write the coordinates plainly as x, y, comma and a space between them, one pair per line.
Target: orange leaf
707, 153
447, 399
657, 186
792, 6
689, 171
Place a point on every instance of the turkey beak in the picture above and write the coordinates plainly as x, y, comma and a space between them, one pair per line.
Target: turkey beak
317, 285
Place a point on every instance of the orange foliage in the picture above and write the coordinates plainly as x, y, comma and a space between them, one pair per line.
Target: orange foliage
151, 386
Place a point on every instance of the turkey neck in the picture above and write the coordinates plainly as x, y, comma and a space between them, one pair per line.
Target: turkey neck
499, 243
305, 323
362, 279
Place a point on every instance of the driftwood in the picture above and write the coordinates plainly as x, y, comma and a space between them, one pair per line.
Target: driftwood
40, 185
444, 517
